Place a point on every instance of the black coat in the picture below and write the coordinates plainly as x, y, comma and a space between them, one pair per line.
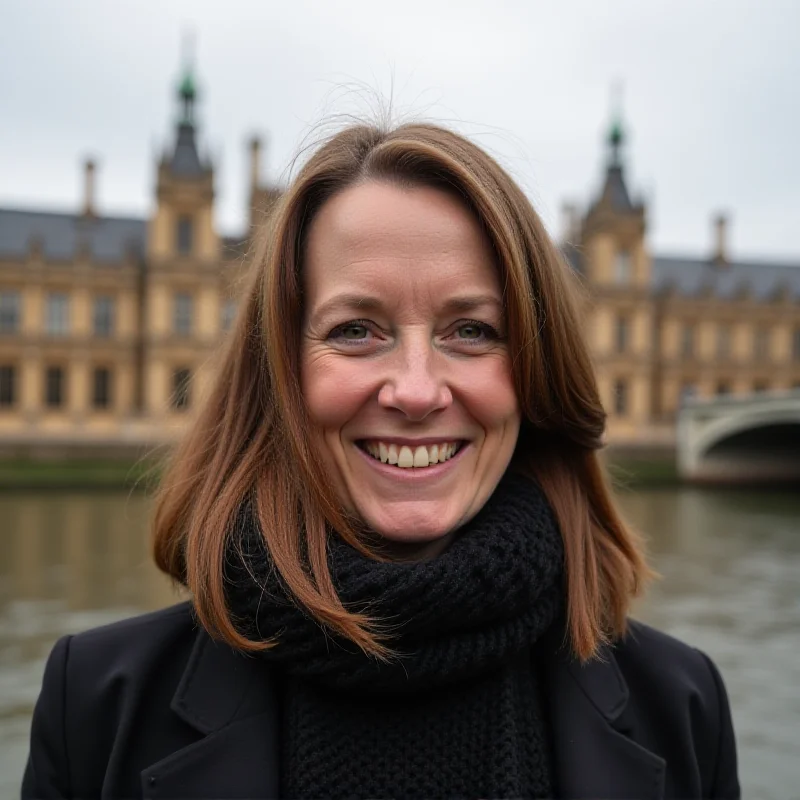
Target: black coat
152, 707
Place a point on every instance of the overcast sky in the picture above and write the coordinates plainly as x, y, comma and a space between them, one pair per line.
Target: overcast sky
710, 97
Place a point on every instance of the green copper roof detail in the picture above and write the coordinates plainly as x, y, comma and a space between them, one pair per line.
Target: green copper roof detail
616, 140
187, 94
187, 89
616, 135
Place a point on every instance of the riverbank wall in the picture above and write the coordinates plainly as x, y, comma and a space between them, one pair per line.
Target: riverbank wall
140, 469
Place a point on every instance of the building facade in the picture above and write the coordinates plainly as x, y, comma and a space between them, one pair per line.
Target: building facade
664, 328
108, 326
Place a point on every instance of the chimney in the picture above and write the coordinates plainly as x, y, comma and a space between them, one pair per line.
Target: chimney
720, 255
570, 231
88, 191
255, 164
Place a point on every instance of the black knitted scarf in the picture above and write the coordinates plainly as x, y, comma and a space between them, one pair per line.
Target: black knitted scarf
458, 713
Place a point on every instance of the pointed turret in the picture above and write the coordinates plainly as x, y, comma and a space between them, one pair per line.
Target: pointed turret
182, 225
615, 192
185, 160
614, 200
613, 230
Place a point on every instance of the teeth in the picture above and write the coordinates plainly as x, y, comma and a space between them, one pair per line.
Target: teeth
406, 458
421, 457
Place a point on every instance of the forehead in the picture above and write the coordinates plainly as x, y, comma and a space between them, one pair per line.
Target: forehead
380, 236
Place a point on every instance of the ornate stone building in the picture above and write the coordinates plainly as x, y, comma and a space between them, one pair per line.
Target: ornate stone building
108, 325
666, 328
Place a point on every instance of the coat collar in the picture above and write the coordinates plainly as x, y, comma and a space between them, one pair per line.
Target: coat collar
593, 755
231, 699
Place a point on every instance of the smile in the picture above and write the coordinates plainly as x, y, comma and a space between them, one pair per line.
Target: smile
410, 456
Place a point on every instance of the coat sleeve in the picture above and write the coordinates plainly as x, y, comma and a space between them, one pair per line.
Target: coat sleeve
725, 784
47, 771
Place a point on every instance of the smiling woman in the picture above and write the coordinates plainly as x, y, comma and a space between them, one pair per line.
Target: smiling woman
416, 375
408, 572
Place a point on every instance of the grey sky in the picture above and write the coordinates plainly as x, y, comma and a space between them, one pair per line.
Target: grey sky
711, 99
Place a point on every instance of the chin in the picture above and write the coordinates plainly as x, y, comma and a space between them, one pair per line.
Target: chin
410, 531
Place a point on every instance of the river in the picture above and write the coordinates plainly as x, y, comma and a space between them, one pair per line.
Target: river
729, 561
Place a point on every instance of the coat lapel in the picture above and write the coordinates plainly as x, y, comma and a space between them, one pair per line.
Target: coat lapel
593, 758
231, 699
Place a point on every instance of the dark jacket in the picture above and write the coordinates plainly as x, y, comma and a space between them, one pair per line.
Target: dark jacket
152, 707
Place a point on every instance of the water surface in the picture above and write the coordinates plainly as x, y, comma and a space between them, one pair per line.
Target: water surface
730, 563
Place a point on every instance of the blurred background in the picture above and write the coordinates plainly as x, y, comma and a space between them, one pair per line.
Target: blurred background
141, 143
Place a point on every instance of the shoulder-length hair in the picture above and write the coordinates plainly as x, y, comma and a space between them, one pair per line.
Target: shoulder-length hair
252, 439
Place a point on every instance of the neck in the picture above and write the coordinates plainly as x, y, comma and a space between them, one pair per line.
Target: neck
413, 551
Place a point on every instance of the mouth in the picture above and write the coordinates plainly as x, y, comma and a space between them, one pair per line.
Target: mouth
409, 456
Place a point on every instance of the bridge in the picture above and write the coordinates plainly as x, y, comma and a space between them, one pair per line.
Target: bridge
744, 439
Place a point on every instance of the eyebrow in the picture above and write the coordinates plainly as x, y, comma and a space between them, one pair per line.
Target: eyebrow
368, 303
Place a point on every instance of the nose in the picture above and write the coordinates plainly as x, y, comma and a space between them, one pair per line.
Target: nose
415, 382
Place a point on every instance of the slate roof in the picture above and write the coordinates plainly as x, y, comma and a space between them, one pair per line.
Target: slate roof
691, 276
616, 190
185, 161
61, 236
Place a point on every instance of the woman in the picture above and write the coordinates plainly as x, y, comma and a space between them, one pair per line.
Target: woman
408, 575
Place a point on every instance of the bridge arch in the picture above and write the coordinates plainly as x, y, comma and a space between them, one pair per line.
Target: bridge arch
755, 439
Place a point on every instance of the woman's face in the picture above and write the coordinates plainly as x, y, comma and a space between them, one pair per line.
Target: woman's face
405, 367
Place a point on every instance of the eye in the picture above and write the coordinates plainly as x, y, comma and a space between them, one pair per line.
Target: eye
470, 331
476, 332
354, 331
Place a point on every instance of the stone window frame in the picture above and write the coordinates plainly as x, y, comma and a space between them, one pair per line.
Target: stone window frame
56, 319
724, 340
54, 386
623, 266
104, 314
688, 339
620, 397
622, 333
10, 311
762, 341
8, 386
182, 313
184, 234
102, 391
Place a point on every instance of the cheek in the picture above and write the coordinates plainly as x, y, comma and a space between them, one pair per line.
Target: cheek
490, 397
334, 389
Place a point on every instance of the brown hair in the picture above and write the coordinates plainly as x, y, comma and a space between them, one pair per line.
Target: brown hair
254, 423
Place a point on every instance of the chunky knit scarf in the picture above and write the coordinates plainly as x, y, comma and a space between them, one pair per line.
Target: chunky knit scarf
458, 713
